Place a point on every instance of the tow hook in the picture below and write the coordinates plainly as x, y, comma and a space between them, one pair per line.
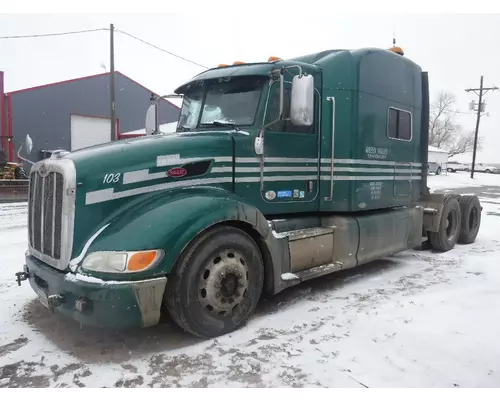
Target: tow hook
21, 276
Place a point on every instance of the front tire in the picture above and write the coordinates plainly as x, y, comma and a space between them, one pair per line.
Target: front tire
217, 283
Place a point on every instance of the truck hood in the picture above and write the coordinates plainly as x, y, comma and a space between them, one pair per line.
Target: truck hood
117, 165
112, 177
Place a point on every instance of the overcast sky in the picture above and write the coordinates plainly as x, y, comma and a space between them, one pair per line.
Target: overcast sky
448, 46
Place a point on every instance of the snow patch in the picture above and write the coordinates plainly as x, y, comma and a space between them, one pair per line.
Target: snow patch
288, 276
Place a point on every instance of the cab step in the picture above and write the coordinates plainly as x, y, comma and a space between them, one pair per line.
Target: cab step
311, 273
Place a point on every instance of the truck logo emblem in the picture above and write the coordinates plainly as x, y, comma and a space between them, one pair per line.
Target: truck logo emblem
43, 170
270, 195
176, 172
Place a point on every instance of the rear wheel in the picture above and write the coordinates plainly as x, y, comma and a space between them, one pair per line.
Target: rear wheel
217, 283
449, 226
438, 171
471, 219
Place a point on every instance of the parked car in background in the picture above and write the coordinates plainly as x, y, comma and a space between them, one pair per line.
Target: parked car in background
488, 169
454, 166
433, 168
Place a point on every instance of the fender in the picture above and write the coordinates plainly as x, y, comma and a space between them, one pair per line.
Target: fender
171, 223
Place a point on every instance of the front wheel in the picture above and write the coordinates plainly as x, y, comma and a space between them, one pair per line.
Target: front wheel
217, 283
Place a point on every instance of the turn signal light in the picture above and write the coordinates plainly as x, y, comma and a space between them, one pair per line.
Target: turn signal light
222, 65
273, 59
141, 260
238, 62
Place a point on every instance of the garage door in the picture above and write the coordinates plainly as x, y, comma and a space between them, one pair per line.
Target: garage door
89, 131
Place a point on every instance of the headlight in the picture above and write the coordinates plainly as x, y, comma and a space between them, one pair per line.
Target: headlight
122, 261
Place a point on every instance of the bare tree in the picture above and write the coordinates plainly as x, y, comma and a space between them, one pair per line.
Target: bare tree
444, 133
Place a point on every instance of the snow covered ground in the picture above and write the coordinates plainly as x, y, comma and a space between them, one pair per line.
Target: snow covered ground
417, 319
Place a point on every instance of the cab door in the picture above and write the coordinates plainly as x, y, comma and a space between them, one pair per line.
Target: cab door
290, 176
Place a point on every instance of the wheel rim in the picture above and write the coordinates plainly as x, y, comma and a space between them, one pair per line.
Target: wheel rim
223, 283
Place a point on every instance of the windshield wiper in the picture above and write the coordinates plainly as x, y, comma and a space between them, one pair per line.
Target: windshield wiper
183, 129
221, 123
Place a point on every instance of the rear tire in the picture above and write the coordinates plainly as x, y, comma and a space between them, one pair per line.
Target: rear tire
471, 219
217, 283
438, 171
449, 226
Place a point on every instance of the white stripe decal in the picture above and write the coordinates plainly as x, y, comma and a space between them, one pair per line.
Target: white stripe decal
175, 159
378, 170
326, 161
142, 175
371, 178
99, 196
370, 162
248, 179
218, 170
276, 169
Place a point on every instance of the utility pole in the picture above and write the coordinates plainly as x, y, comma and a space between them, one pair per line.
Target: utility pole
480, 108
112, 81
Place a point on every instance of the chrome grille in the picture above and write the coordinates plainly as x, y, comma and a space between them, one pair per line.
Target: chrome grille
45, 213
51, 211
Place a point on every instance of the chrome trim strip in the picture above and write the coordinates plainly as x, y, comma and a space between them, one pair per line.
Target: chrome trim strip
41, 214
32, 207
54, 214
332, 100
75, 261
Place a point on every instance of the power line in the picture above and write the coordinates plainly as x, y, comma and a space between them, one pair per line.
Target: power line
159, 48
53, 34
104, 29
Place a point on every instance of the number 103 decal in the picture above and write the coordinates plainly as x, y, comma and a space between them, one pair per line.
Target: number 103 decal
111, 178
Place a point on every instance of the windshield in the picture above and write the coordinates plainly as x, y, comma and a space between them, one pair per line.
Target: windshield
231, 101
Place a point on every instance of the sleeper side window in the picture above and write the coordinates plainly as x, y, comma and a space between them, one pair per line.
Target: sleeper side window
399, 124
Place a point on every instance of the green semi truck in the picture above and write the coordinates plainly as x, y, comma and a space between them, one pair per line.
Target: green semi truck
279, 172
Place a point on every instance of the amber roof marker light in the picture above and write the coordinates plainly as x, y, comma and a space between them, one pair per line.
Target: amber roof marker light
396, 49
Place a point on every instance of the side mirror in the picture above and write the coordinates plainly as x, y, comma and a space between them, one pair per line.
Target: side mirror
302, 100
28, 144
151, 120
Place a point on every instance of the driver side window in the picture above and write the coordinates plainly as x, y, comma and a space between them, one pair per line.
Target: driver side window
273, 107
